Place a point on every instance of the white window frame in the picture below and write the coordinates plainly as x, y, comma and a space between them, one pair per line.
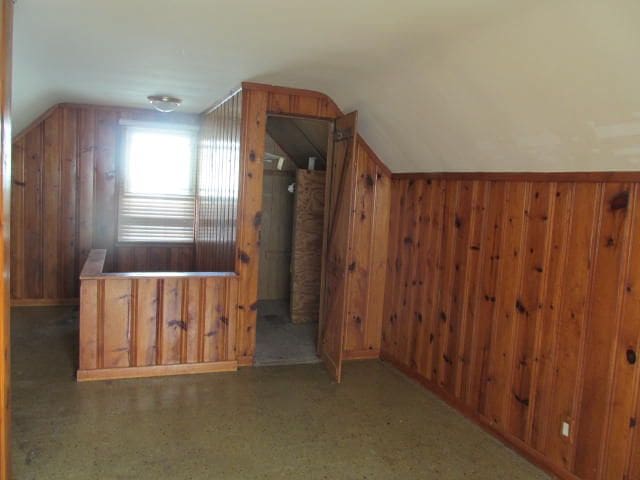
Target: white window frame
126, 127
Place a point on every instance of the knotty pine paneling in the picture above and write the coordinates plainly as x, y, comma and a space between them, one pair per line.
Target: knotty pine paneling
372, 193
367, 256
64, 200
152, 258
517, 302
135, 326
218, 186
252, 142
296, 102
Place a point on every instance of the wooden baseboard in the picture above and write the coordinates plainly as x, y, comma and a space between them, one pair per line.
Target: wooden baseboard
155, 371
44, 302
245, 361
361, 355
508, 440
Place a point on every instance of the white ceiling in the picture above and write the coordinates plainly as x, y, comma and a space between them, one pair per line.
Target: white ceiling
441, 85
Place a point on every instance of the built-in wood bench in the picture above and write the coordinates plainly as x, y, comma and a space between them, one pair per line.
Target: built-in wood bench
143, 324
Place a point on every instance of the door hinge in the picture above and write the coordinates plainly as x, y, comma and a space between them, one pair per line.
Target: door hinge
345, 134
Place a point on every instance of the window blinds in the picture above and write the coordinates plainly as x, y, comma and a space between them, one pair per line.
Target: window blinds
157, 198
154, 218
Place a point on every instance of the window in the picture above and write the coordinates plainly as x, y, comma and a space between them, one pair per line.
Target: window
157, 185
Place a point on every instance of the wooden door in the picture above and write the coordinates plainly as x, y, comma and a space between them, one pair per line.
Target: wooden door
6, 22
339, 198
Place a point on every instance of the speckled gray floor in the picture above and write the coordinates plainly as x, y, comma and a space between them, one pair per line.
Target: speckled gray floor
281, 342
287, 422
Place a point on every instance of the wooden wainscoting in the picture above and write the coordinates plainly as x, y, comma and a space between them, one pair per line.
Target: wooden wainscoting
518, 301
145, 324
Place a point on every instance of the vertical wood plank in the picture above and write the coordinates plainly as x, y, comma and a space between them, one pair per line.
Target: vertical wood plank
115, 328
86, 167
69, 265
626, 382
445, 270
528, 305
378, 268
608, 274
89, 311
193, 323
33, 213
562, 194
431, 239
146, 319
514, 226
232, 318
105, 196
51, 200
254, 110
411, 244
490, 266
215, 320
471, 294
173, 325
464, 218
18, 275
570, 333
634, 457
394, 260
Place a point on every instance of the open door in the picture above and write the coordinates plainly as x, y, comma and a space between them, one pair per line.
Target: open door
339, 198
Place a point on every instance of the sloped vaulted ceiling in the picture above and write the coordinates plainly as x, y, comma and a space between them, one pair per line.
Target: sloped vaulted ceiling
441, 85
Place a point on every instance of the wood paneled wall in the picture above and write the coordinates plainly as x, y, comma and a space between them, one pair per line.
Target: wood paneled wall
153, 258
134, 325
368, 268
252, 142
218, 186
6, 24
64, 198
518, 302
367, 255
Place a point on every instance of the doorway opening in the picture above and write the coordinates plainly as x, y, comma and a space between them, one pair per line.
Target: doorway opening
291, 240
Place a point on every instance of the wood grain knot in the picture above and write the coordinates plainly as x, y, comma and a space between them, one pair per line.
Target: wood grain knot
620, 201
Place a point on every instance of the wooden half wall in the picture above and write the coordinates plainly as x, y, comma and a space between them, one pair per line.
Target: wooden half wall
516, 298
64, 200
145, 324
367, 232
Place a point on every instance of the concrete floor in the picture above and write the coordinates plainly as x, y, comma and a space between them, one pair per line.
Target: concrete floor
287, 422
281, 342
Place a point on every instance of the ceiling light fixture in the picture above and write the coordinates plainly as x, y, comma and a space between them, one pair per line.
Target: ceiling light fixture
164, 103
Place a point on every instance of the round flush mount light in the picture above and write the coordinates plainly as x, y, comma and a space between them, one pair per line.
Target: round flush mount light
164, 103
